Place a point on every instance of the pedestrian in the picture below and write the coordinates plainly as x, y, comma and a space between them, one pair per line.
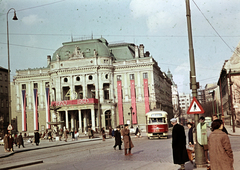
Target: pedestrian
110, 132
220, 151
10, 143
76, 135
113, 131
118, 140
36, 138
60, 134
224, 129
73, 135
92, 133
5, 140
20, 140
50, 135
65, 134
205, 146
190, 148
103, 134
15, 139
190, 134
89, 132
180, 155
137, 133
128, 145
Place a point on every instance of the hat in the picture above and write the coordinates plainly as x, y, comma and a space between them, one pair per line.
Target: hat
125, 125
173, 120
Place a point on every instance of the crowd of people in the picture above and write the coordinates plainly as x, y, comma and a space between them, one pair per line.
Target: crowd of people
217, 148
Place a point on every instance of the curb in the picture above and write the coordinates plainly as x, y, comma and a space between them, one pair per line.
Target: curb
20, 164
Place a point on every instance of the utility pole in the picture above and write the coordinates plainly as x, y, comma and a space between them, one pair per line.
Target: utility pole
199, 152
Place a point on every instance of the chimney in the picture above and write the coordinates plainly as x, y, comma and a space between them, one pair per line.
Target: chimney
48, 59
136, 52
141, 49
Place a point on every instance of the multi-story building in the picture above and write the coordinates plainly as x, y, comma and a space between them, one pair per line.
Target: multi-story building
184, 102
201, 95
175, 96
4, 116
94, 83
229, 84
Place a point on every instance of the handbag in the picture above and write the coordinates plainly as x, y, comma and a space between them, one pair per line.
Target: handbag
189, 152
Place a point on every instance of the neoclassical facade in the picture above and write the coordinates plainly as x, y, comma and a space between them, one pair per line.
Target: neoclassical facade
91, 82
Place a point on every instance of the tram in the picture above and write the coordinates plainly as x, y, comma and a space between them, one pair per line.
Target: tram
157, 124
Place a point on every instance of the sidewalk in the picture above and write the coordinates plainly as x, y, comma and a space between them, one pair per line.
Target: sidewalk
44, 143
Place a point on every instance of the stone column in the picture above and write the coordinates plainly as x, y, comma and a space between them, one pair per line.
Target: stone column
66, 115
85, 121
111, 87
103, 120
19, 97
72, 121
97, 123
93, 118
60, 119
58, 88
126, 87
84, 87
139, 87
80, 121
100, 85
29, 97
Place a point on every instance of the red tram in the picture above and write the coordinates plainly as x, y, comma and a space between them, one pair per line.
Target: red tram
157, 125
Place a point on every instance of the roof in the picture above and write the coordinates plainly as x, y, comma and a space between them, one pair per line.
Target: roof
82, 49
123, 51
3, 69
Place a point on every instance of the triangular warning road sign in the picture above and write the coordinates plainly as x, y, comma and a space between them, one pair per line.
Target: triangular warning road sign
195, 107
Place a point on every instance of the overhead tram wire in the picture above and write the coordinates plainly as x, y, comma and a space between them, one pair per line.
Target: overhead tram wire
160, 36
215, 30
30, 47
37, 6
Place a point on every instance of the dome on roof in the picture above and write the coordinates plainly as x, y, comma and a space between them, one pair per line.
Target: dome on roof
82, 49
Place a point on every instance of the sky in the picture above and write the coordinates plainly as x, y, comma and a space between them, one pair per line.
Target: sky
160, 25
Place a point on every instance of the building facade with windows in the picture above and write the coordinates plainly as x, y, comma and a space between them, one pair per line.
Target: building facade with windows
4, 116
185, 101
91, 83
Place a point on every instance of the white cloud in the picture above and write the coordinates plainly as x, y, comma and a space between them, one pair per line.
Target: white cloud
182, 68
158, 15
31, 19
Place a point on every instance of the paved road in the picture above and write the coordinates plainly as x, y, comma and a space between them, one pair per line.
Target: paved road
99, 155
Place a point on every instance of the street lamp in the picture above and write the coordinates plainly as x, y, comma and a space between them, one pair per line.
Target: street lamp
132, 113
9, 86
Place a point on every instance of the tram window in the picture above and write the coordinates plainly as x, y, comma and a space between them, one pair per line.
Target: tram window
157, 120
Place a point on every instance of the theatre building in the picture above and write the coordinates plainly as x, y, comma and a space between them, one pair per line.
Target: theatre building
90, 82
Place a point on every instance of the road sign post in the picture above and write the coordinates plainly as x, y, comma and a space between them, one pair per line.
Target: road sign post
199, 152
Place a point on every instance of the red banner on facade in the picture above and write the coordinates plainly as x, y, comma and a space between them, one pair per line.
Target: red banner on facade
146, 95
120, 105
133, 101
74, 102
